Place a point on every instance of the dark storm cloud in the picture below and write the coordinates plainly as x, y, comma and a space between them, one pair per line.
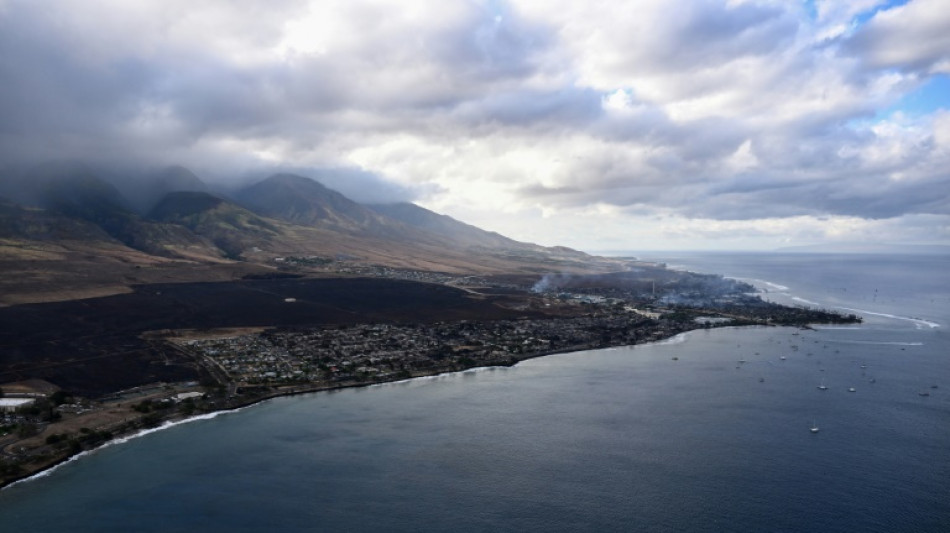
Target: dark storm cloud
72, 88
49, 102
64, 94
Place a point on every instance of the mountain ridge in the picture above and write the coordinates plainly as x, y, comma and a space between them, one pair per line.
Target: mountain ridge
258, 227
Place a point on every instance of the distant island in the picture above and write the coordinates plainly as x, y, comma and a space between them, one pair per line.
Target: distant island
124, 314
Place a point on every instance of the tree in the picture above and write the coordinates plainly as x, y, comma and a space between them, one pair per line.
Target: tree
60, 397
187, 407
26, 430
151, 420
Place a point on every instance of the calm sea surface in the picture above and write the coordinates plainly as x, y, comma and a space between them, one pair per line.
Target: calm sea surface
621, 439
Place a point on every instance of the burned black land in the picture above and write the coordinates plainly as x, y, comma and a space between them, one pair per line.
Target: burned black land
94, 347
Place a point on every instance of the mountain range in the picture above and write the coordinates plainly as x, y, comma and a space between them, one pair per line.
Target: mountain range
66, 232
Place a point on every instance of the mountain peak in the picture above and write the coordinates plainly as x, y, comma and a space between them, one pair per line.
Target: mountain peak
178, 178
287, 179
184, 203
304, 201
147, 191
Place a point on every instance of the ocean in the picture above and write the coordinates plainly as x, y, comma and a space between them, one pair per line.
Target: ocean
708, 431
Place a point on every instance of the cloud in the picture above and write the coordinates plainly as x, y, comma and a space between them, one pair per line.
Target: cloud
742, 112
914, 37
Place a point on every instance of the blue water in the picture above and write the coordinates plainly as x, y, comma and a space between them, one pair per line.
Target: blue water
620, 439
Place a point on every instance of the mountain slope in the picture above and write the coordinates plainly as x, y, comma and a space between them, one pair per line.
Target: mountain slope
75, 192
22, 223
413, 231
459, 233
230, 227
83, 239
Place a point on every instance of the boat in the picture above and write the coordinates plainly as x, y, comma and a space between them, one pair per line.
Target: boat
924, 393
782, 358
814, 427
822, 386
851, 389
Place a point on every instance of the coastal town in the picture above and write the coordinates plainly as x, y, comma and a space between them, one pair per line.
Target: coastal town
383, 352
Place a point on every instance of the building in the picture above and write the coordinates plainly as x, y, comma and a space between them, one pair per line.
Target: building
180, 397
9, 405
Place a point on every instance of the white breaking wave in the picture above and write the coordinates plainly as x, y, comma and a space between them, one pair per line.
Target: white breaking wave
675, 339
919, 322
772, 286
122, 440
481, 369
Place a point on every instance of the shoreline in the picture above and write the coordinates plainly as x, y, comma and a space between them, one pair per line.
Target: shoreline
242, 403
118, 439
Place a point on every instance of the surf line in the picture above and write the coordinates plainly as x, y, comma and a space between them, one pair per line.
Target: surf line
121, 440
770, 287
918, 321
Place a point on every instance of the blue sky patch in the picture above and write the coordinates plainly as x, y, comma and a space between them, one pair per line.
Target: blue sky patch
929, 97
865, 16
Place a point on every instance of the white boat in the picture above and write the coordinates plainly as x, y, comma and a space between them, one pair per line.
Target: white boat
814, 427
822, 386
851, 389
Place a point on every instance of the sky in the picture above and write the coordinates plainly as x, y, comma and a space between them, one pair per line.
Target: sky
641, 125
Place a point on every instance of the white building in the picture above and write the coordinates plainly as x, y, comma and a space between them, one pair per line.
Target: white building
8, 405
182, 396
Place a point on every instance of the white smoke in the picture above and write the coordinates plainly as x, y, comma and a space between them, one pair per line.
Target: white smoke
550, 282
